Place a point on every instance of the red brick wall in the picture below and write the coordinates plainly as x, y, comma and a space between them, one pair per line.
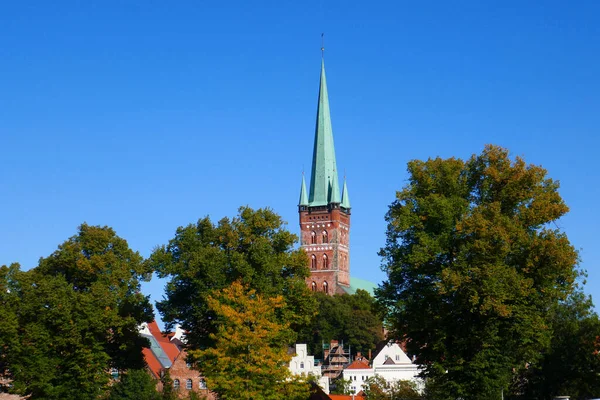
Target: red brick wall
180, 370
337, 225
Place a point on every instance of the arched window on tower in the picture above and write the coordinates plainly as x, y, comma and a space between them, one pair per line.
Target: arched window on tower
313, 262
324, 236
325, 262
313, 286
325, 287
313, 237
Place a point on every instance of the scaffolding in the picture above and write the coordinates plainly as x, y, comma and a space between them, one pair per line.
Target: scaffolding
335, 359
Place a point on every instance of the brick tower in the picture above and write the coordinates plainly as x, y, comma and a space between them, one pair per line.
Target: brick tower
324, 216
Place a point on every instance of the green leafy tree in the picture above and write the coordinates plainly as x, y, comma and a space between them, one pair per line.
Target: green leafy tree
340, 386
77, 315
253, 247
249, 358
135, 384
354, 320
474, 262
571, 364
168, 391
377, 388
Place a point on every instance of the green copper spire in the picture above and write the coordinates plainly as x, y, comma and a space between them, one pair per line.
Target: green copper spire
324, 185
345, 197
303, 197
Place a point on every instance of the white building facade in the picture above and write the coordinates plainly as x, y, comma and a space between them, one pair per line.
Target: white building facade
391, 363
303, 364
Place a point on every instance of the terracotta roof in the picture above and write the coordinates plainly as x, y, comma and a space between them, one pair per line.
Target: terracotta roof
358, 364
152, 362
170, 348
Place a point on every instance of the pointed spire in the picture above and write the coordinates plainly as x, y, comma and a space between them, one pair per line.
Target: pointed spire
324, 182
345, 196
303, 197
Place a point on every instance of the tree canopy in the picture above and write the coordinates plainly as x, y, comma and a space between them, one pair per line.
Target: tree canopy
249, 353
254, 247
76, 316
354, 320
474, 261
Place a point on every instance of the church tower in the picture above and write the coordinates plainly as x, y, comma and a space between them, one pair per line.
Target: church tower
324, 215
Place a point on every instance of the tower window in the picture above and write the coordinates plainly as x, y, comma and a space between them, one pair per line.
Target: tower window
313, 262
325, 287
314, 286
325, 238
325, 261
313, 237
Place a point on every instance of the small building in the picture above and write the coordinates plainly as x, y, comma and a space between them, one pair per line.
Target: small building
303, 364
391, 363
167, 352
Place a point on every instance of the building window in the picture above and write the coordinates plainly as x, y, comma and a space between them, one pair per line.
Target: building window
301, 365
202, 384
176, 384
397, 357
325, 287
314, 286
325, 262
324, 236
313, 237
313, 262
188, 384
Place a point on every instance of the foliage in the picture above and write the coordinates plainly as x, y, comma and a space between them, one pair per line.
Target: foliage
377, 388
473, 267
250, 348
571, 364
168, 391
77, 315
135, 384
253, 247
340, 386
351, 319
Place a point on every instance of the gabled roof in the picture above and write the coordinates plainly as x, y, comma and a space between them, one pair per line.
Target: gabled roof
358, 364
153, 364
170, 348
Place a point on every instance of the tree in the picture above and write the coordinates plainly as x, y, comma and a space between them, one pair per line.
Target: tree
249, 356
168, 391
377, 388
352, 319
135, 384
474, 261
76, 315
571, 364
254, 247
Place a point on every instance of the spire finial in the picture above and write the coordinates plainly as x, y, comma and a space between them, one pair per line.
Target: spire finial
322, 45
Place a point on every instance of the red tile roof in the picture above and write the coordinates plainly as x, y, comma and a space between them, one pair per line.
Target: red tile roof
358, 364
152, 361
170, 348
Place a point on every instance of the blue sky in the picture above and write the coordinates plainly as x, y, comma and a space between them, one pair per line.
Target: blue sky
146, 116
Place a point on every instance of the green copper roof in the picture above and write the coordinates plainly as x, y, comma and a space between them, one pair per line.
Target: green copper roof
357, 283
303, 197
345, 197
324, 185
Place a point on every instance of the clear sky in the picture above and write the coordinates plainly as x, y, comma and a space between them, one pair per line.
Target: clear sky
146, 116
